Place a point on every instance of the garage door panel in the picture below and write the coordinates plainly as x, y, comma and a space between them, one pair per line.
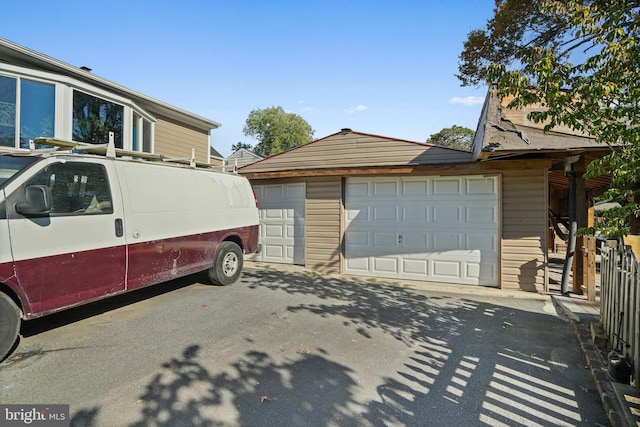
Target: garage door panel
449, 187
273, 251
357, 238
447, 215
446, 242
295, 191
276, 214
274, 192
282, 223
295, 232
481, 186
448, 269
432, 228
415, 214
273, 230
415, 242
385, 188
385, 213
478, 215
357, 189
472, 270
415, 188
358, 265
489, 271
415, 266
486, 244
385, 265
384, 240
358, 211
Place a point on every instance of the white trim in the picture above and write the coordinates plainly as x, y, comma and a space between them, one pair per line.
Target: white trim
67, 68
64, 89
63, 122
152, 130
16, 129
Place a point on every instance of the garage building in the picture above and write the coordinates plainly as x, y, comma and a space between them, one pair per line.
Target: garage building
367, 205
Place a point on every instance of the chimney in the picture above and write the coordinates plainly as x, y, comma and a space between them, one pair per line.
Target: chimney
344, 131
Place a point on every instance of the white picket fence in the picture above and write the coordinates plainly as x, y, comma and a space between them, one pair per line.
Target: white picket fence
620, 304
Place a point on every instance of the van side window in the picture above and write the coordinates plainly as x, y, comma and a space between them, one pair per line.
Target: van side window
76, 188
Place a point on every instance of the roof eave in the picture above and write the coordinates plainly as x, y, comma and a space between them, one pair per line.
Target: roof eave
76, 72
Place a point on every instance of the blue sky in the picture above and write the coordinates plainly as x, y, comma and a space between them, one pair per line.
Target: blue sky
380, 67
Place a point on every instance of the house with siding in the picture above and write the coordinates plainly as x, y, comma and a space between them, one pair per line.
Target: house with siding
41, 96
241, 158
366, 205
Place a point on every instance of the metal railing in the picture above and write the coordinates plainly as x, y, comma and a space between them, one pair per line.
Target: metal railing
620, 304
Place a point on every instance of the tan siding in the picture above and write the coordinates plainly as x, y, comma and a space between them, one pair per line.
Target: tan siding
524, 230
354, 150
322, 216
520, 116
175, 140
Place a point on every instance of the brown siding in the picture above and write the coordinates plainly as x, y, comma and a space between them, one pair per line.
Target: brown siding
322, 239
174, 140
355, 150
524, 230
520, 117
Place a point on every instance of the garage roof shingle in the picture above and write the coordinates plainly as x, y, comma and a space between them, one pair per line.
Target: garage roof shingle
349, 149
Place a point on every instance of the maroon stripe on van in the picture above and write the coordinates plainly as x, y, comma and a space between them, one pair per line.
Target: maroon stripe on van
56, 282
162, 260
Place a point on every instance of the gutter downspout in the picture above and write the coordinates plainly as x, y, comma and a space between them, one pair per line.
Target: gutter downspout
573, 224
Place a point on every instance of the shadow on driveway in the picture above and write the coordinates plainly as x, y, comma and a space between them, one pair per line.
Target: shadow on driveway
472, 360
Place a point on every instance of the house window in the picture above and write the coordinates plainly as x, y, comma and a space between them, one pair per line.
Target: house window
146, 136
94, 118
37, 111
135, 132
141, 131
8, 95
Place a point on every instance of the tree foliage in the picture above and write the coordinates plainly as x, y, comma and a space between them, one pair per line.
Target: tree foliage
277, 130
458, 137
578, 59
94, 118
240, 145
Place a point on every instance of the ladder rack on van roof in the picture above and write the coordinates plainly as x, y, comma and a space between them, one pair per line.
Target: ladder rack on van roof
109, 150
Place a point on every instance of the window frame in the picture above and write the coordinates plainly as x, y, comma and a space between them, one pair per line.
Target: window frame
88, 206
63, 115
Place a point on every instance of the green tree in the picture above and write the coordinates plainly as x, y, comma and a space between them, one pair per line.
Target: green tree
277, 130
579, 59
458, 137
239, 145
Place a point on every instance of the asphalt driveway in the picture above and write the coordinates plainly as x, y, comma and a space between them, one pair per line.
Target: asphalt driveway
286, 347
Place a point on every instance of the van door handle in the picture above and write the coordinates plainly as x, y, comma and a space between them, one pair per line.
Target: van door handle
119, 228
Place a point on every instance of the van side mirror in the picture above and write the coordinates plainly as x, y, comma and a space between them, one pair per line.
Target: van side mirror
38, 201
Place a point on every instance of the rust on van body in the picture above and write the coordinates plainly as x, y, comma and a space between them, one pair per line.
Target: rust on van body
58, 282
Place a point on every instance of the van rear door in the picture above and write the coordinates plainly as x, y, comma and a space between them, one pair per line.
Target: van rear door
77, 252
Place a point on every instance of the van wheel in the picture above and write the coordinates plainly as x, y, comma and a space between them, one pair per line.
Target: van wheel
9, 325
228, 266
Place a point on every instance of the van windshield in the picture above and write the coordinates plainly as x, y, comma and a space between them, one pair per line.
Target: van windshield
11, 165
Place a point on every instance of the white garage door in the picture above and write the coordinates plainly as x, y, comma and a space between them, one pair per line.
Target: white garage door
282, 223
441, 229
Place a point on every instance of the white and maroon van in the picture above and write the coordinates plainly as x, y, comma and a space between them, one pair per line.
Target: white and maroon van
75, 228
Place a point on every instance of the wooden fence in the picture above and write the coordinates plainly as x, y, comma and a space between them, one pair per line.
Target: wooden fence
620, 304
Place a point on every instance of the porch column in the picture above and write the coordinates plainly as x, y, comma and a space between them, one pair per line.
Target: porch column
584, 271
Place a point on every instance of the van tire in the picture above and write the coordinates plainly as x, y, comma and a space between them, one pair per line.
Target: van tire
9, 325
228, 265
